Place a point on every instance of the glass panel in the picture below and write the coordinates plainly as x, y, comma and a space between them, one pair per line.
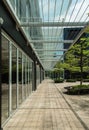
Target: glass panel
5, 78
14, 79
26, 74
16, 5
20, 77
37, 75
30, 78
12, 3
27, 77
24, 90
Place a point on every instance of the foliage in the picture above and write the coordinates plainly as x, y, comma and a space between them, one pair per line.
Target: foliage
58, 80
77, 57
58, 70
71, 80
85, 80
79, 89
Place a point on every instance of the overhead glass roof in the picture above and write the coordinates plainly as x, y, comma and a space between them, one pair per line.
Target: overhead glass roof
54, 24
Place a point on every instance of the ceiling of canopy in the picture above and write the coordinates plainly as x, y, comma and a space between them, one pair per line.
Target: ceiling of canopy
48, 24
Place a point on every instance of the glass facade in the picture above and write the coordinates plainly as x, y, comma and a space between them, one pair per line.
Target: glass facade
5, 79
16, 77
20, 76
17, 68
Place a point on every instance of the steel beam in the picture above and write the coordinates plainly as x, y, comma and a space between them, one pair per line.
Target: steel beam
50, 50
48, 60
53, 24
50, 41
53, 58
49, 56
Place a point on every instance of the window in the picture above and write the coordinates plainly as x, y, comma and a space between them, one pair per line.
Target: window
5, 78
14, 77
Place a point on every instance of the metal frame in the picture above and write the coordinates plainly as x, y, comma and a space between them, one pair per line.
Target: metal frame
10, 78
53, 24
51, 41
17, 78
55, 50
22, 79
61, 22
0, 79
34, 76
31, 76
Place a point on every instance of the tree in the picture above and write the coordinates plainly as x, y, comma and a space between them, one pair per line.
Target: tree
59, 69
77, 57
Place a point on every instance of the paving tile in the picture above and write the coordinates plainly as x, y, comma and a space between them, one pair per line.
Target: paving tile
45, 109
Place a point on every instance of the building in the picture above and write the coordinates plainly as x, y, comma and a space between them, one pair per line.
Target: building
33, 37
20, 69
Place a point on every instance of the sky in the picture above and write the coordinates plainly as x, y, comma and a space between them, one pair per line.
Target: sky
59, 8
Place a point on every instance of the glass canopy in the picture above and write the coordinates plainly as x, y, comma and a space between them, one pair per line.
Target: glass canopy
52, 26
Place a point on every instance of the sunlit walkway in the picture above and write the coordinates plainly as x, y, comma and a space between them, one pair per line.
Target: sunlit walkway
45, 109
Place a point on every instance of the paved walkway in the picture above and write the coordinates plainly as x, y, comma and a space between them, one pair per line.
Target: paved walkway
78, 103
45, 109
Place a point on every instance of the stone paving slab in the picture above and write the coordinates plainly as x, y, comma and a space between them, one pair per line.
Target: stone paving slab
45, 109
79, 103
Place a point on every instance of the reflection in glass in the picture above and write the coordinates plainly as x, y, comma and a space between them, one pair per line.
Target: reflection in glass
27, 77
5, 78
20, 77
30, 76
24, 76
16, 5
9, 71
14, 79
37, 74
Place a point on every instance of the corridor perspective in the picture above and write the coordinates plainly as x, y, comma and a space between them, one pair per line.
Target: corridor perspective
44, 52
45, 109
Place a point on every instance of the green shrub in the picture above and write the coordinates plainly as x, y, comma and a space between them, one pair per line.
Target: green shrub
71, 80
85, 80
79, 89
78, 79
58, 80
88, 77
